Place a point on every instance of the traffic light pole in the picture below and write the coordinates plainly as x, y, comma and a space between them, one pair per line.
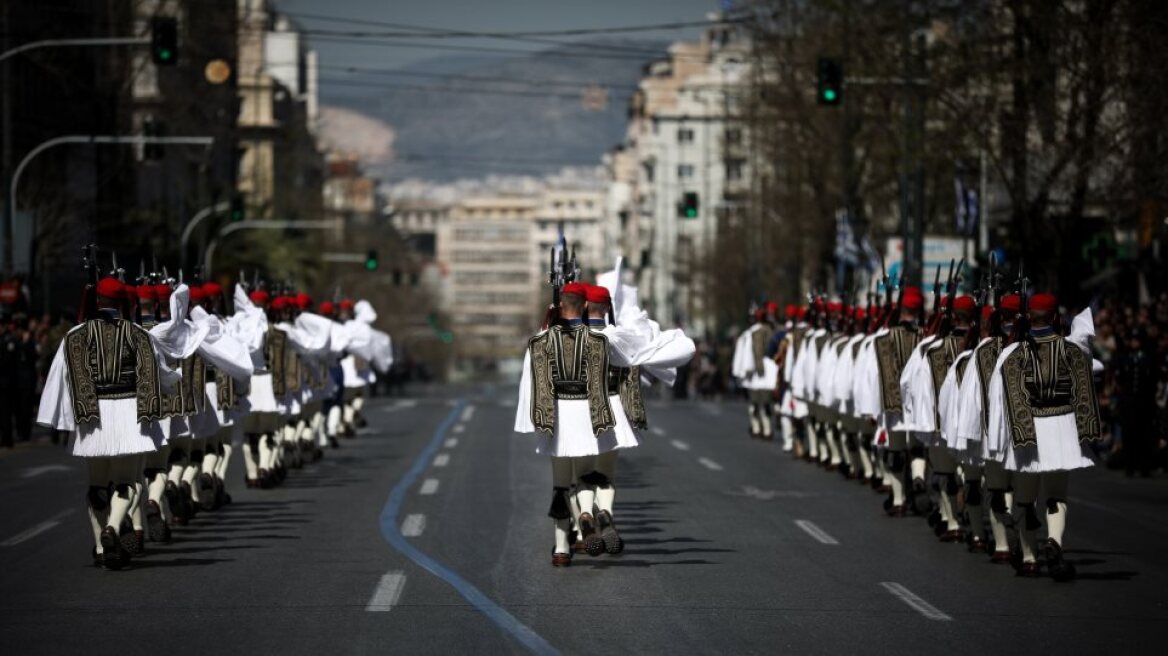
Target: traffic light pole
60, 43
209, 257
207, 211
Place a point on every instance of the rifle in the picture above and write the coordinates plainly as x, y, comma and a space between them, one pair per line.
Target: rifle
899, 299
1022, 321
935, 319
946, 323
88, 307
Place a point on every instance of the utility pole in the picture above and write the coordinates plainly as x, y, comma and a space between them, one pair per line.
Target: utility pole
852, 211
912, 172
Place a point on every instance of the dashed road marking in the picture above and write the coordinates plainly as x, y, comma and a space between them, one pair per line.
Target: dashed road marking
32, 472
916, 603
810, 528
451, 442
679, 445
413, 525
710, 464
387, 593
468, 413
656, 430
25, 536
429, 486
442, 459
458, 428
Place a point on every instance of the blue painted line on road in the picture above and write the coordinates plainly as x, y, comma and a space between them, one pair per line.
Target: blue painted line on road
389, 530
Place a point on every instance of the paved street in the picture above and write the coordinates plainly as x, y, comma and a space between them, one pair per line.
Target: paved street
428, 534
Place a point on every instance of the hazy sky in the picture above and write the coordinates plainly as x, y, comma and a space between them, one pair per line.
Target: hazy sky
479, 15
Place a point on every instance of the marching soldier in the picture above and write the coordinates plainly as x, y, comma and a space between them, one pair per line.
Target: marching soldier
757, 373
1043, 414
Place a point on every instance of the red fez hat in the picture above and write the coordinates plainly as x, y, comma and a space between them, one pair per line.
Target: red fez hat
303, 301
1043, 302
913, 299
759, 314
130, 292
212, 289
110, 288
986, 312
802, 312
1011, 302
772, 308
147, 293
598, 294
198, 295
162, 292
259, 297
835, 306
347, 304
792, 311
963, 304
861, 314
327, 308
279, 303
576, 289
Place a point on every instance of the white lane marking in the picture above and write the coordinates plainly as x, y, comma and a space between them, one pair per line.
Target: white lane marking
710, 464
458, 428
508, 403
710, 408
413, 525
916, 603
451, 442
387, 593
468, 413
679, 445
400, 405
442, 459
37, 471
767, 495
814, 531
429, 486
25, 536
656, 430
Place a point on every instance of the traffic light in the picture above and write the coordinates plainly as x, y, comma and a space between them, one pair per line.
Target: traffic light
152, 128
164, 41
371, 261
829, 81
689, 205
238, 210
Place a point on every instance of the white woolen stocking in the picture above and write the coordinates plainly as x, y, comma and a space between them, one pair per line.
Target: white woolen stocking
562, 479
917, 468
998, 528
947, 514
764, 417
123, 472
157, 488
266, 454
1056, 523
833, 448
562, 527
606, 494
358, 403
318, 430
755, 426
249, 460
349, 414
865, 461
136, 512
221, 466
334, 420
788, 429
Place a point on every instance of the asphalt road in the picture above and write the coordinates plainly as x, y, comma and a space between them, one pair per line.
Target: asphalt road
428, 534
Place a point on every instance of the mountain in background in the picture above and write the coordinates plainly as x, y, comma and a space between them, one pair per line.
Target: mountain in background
443, 130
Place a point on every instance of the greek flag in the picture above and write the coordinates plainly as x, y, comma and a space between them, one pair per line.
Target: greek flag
967, 211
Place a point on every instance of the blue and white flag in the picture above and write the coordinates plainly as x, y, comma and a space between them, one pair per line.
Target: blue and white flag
968, 209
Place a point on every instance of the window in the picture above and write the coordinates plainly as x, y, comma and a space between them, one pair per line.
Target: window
733, 136
648, 168
685, 171
734, 169
685, 135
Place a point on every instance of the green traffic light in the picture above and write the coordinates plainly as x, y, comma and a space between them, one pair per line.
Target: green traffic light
370, 265
691, 213
165, 54
829, 95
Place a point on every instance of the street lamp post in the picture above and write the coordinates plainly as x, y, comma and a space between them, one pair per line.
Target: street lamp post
209, 257
217, 208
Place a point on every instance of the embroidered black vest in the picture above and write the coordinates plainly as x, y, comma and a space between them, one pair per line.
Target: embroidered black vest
569, 364
112, 359
1049, 379
892, 352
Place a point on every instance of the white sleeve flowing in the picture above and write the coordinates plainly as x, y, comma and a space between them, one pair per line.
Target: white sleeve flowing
523, 408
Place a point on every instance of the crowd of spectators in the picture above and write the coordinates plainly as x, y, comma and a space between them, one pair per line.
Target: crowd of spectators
1132, 342
27, 347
